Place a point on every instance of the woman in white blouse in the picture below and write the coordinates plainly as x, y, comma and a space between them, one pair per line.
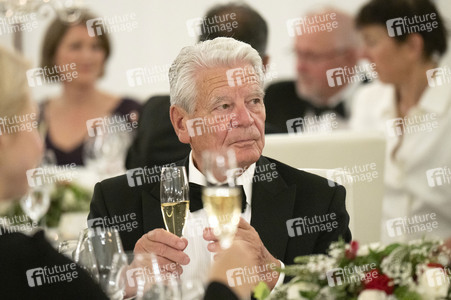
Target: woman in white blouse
412, 105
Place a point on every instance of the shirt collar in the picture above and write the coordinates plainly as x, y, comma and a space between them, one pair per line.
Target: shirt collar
245, 179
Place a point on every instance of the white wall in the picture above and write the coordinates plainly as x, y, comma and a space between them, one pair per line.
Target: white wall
162, 31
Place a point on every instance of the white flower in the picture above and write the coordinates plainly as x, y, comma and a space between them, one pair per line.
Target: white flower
364, 250
293, 290
433, 284
372, 295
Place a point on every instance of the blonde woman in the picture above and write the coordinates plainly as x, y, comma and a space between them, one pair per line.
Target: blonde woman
28, 261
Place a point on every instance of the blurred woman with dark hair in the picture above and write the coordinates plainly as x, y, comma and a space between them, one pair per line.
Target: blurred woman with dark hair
406, 39
64, 117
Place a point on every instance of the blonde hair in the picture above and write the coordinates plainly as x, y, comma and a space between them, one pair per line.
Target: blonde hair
14, 91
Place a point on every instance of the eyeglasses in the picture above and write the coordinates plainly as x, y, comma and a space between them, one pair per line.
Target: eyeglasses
312, 57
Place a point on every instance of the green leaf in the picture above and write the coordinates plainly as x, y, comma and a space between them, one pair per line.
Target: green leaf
261, 291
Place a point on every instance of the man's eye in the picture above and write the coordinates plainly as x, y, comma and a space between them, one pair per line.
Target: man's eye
256, 101
224, 106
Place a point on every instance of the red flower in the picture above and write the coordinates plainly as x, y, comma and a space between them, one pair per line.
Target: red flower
378, 281
435, 265
351, 253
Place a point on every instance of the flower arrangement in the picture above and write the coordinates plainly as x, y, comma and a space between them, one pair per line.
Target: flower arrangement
413, 271
66, 196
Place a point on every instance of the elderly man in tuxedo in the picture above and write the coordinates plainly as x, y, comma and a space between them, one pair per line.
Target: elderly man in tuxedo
286, 214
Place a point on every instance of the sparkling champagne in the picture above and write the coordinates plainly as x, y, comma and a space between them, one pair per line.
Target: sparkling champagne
174, 216
223, 206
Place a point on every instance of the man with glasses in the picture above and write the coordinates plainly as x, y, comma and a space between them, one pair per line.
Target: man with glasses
326, 43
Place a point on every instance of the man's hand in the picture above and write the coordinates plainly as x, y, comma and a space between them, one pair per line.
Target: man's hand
237, 256
247, 233
166, 246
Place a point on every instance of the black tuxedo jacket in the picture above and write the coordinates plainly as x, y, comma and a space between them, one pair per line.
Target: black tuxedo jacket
290, 194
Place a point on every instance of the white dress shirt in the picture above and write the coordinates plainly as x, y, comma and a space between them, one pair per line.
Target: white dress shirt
410, 191
200, 257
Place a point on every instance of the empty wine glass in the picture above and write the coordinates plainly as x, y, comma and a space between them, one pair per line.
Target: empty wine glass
36, 203
106, 243
84, 254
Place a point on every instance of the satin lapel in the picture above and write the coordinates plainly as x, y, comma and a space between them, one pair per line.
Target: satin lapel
272, 205
151, 207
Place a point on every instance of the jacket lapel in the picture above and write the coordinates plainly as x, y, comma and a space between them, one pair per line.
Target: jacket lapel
272, 205
151, 206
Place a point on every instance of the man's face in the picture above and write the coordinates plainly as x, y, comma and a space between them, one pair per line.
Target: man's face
315, 54
233, 116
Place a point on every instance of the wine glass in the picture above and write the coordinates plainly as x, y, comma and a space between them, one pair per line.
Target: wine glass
68, 248
106, 243
84, 254
36, 203
174, 195
150, 279
221, 197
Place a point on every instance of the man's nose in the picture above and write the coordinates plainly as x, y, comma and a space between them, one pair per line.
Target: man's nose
243, 116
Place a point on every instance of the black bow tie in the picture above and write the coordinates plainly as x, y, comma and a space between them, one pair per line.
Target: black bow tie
195, 197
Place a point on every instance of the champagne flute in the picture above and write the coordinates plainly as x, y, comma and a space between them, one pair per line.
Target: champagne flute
174, 195
36, 203
221, 197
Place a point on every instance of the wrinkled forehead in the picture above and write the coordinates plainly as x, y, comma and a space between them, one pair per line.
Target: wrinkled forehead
217, 81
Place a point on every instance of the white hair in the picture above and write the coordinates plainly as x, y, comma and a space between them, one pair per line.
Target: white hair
219, 52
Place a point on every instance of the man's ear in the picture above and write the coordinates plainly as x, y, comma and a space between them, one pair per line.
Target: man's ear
178, 119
